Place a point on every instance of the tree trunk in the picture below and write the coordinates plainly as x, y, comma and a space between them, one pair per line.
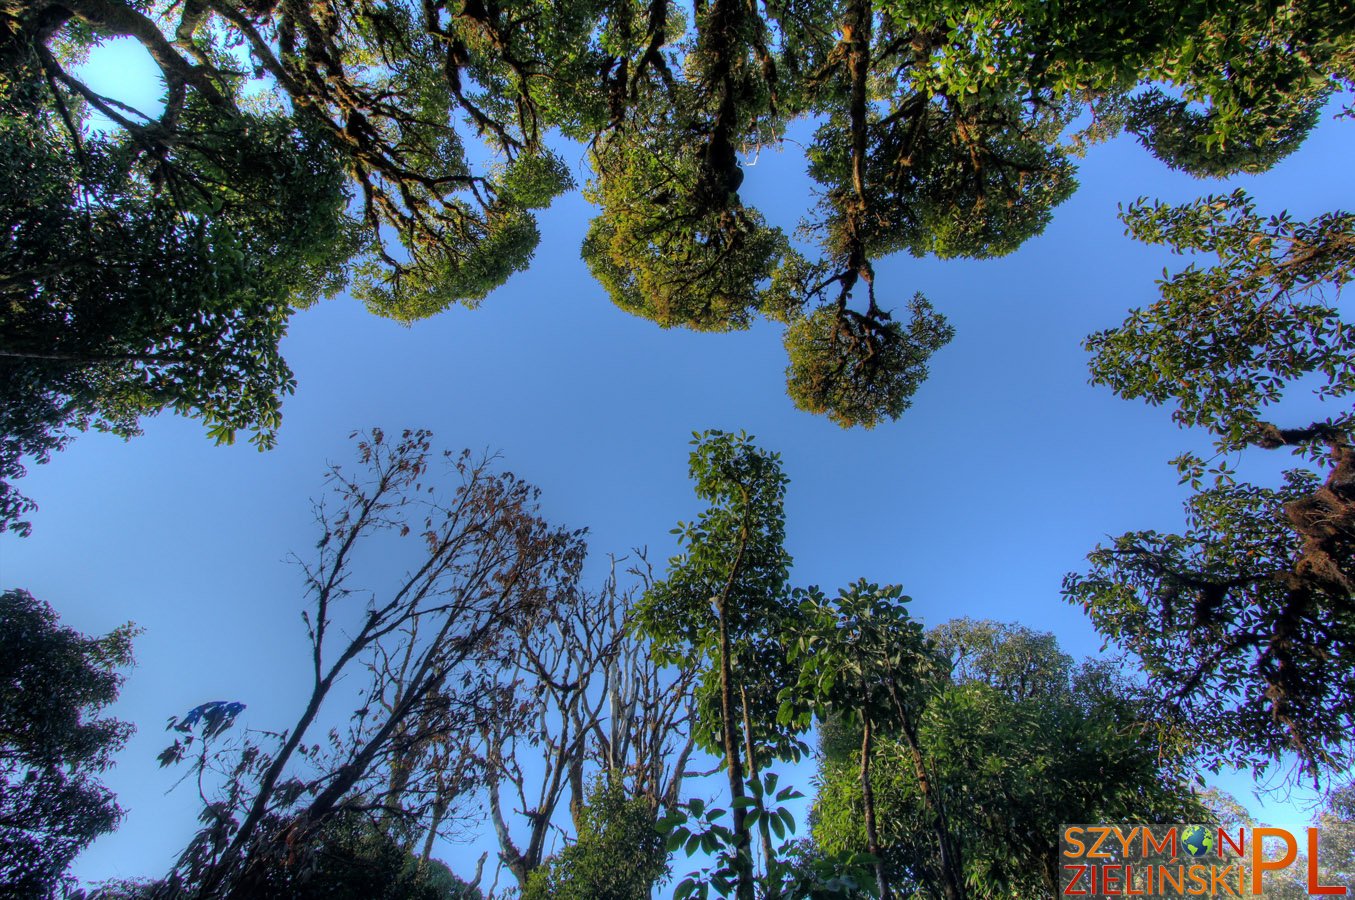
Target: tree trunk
868, 802
764, 827
439, 810
743, 863
952, 883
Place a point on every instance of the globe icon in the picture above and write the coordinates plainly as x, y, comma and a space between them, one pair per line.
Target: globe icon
1197, 840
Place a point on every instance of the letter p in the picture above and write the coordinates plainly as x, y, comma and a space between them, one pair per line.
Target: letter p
1259, 863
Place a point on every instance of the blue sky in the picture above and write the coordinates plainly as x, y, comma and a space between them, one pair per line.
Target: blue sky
1006, 471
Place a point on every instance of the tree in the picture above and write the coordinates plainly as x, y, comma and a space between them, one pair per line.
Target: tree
233, 229
673, 242
1225, 341
352, 858
617, 855
54, 681
721, 607
1013, 756
484, 565
866, 665
1251, 602
585, 702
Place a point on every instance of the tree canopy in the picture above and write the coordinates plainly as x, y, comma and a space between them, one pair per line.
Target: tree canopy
402, 149
138, 281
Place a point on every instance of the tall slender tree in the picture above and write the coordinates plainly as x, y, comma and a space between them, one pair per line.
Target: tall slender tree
866, 665
722, 606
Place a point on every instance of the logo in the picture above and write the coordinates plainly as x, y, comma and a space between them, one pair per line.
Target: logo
1187, 861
